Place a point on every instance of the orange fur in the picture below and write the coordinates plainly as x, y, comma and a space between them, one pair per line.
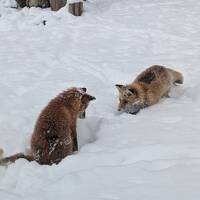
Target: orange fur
54, 136
148, 88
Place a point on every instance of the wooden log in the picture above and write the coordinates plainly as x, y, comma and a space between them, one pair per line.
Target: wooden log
21, 3
76, 9
57, 4
38, 3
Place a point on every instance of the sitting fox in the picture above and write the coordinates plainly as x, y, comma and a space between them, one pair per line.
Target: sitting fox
54, 136
147, 89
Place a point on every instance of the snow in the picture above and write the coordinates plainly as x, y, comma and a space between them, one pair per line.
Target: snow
74, 1
153, 155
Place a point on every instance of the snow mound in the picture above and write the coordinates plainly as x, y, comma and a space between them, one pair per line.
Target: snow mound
153, 155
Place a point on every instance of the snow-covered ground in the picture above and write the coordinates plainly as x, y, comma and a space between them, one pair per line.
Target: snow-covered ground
154, 155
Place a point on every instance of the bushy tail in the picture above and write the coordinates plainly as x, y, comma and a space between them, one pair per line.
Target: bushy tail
13, 158
177, 76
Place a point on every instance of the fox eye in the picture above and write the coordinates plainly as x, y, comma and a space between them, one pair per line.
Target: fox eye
125, 101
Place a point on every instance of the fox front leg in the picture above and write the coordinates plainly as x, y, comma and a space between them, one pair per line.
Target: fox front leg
75, 141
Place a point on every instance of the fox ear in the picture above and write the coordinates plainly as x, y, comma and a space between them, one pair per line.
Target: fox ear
84, 89
120, 87
91, 98
132, 91
87, 98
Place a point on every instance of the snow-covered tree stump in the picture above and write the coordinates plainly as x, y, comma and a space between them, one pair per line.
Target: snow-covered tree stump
38, 3
21, 3
76, 8
57, 4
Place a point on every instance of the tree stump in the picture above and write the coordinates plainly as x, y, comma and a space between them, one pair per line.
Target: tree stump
57, 4
38, 3
21, 3
76, 9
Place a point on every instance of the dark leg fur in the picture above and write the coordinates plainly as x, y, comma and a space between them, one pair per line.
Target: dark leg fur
75, 143
75, 140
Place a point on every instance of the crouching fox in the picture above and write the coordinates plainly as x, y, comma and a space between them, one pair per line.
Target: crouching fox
54, 136
147, 89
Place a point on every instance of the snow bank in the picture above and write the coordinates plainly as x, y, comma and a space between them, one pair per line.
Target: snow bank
74, 1
153, 155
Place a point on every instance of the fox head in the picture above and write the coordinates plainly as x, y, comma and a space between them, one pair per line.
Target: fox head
85, 99
77, 100
129, 100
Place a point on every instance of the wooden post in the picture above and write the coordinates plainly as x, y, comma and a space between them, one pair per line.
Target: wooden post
21, 3
38, 3
1, 153
76, 9
57, 4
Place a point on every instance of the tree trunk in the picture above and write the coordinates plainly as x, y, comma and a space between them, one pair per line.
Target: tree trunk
38, 3
76, 9
57, 4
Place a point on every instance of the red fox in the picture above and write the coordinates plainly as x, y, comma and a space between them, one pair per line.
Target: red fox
54, 136
147, 89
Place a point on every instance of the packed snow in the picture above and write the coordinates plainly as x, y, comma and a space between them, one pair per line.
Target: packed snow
152, 155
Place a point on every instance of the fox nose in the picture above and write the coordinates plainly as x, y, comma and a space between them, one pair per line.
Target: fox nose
119, 109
